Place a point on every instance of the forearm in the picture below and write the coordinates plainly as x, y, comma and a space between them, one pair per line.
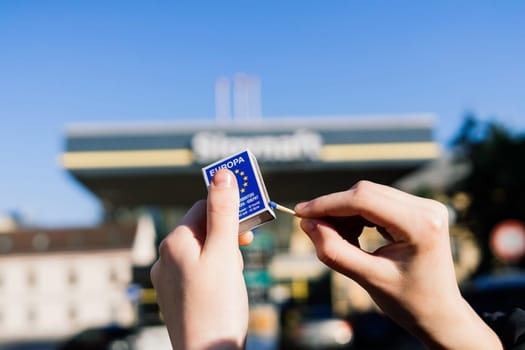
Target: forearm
196, 326
460, 328
206, 342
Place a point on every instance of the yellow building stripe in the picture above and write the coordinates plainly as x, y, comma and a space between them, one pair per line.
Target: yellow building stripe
127, 159
380, 151
184, 157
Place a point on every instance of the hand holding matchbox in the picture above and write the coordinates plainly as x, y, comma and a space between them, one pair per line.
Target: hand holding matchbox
255, 207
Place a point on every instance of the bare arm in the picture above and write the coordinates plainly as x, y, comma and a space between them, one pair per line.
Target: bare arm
412, 278
198, 277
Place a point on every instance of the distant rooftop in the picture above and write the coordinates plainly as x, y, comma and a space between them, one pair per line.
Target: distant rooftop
321, 122
30, 241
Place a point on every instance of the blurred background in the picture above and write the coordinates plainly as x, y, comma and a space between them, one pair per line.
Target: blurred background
109, 109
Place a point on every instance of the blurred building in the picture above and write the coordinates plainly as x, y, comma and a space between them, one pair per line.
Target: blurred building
57, 282
157, 166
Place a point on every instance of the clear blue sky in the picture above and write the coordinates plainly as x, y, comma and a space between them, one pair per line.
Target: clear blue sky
87, 61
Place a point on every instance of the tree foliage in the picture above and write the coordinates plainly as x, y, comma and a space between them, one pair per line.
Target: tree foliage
496, 183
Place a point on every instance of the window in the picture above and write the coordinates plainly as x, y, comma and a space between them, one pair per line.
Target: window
114, 311
31, 278
72, 278
72, 313
113, 275
31, 315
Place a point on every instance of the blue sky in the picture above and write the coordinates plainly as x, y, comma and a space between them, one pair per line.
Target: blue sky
91, 61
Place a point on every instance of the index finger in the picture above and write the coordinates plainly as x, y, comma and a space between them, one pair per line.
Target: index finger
184, 243
382, 205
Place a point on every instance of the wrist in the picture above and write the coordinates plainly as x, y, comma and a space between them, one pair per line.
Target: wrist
210, 340
217, 344
458, 328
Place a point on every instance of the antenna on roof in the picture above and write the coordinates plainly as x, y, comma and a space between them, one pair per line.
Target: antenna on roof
246, 98
222, 100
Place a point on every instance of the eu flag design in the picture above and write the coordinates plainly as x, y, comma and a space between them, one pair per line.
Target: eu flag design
253, 207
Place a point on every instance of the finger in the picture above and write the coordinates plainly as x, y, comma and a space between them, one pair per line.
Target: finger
382, 205
195, 221
222, 213
154, 274
245, 238
184, 243
337, 253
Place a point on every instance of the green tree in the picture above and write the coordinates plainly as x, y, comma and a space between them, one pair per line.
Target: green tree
496, 183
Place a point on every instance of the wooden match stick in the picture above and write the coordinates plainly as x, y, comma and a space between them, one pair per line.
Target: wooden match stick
279, 207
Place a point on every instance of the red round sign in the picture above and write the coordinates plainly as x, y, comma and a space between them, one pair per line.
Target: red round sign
507, 240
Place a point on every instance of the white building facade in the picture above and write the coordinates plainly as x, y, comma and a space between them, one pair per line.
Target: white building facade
55, 284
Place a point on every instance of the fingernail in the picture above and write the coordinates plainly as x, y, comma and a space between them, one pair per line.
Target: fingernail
222, 178
301, 206
310, 225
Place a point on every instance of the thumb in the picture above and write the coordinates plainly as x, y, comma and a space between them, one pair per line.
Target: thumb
337, 253
222, 213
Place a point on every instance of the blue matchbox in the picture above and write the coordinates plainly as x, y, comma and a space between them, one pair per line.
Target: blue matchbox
254, 208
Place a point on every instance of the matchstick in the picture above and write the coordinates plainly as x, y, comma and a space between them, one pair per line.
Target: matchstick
279, 207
